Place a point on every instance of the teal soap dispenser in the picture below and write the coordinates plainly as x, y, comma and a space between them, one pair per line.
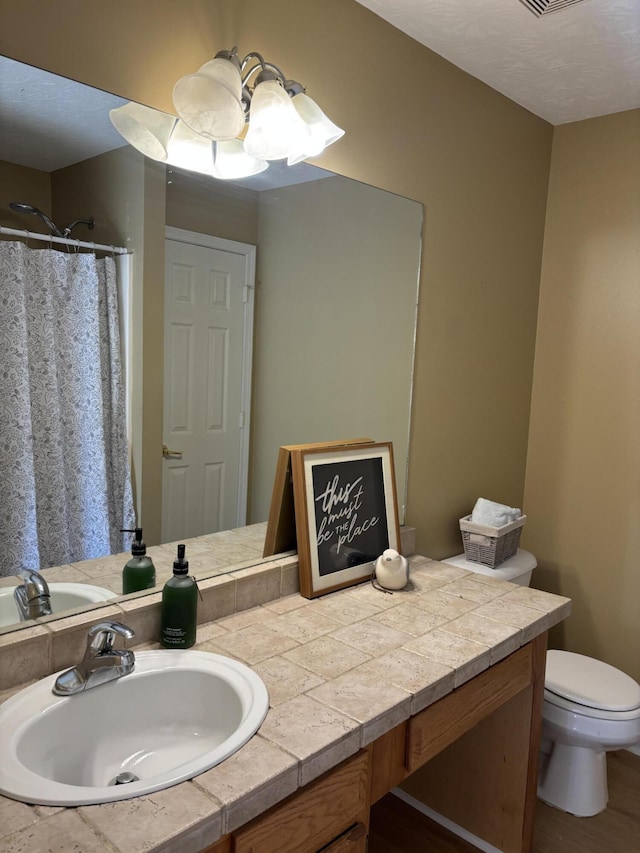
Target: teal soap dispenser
139, 572
179, 606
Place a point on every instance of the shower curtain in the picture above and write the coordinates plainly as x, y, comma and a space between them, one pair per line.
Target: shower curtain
65, 482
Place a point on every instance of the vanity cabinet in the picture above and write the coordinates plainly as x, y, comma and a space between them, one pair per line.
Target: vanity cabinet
310, 820
330, 815
472, 756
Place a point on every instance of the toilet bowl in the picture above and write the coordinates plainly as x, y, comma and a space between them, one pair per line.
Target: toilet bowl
589, 709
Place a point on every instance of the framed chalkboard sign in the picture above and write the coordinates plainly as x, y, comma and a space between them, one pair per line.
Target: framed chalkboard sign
281, 526
346, 513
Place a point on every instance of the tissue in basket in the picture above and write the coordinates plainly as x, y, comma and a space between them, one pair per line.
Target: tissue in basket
490, 546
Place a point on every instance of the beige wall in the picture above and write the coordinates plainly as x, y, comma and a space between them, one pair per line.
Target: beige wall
582, 491
478, 162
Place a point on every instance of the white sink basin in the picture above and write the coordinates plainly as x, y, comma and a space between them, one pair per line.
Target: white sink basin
178, 714
63, 597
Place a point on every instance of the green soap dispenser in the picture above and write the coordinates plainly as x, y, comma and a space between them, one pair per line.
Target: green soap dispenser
179, 606
139, 573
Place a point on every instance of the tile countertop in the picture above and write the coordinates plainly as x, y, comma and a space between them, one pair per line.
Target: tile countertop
341, 671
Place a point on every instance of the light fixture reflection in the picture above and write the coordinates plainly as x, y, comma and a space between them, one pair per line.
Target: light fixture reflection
148, 130
231, 161
188, 150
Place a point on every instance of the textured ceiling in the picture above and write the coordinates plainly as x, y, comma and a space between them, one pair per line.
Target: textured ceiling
576, 63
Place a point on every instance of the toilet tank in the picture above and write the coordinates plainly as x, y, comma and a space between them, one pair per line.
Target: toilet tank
517, 569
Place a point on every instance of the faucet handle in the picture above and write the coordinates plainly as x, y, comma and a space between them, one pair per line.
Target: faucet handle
102, 636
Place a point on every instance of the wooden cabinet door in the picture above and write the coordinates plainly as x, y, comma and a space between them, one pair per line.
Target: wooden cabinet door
314, 817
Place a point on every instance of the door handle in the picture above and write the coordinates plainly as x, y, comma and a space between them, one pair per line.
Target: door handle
171, 454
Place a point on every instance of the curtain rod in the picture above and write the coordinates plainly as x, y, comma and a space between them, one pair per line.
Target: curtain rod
65, 241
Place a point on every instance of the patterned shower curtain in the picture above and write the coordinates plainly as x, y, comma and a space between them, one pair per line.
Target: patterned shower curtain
65, 483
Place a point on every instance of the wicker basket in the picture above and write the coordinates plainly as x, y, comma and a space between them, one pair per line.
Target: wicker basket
490, 546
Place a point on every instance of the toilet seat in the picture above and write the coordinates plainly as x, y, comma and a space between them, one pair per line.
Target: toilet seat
590, 687
585, 711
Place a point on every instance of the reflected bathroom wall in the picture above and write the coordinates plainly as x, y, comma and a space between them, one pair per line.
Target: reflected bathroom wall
337, 271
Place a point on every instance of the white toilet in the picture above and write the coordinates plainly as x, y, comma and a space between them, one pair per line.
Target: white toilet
589, 708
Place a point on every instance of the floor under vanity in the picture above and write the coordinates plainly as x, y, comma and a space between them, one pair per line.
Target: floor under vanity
397, 828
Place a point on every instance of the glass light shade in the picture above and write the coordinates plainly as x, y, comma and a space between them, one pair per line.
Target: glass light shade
188, 150
232, 161
276, 130
148, 130
209, 106
224, 71
322, 131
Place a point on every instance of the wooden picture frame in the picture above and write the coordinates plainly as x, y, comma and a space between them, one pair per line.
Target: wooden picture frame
281, 525
346, 513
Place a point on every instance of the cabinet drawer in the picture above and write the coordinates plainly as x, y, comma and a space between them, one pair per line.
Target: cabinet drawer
438, 726
312, 818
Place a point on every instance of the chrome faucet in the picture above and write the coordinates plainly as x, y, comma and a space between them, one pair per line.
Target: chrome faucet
32, 597
101, 662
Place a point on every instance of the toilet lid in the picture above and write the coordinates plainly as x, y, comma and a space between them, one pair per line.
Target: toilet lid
590, 682
521, 563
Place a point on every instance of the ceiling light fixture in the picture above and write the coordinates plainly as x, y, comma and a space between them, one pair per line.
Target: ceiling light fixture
235, 116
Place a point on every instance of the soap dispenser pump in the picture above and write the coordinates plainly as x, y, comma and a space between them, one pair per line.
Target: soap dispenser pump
139, 572
179, 606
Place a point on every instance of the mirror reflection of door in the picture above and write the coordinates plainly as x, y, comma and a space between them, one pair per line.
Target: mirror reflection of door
207, 382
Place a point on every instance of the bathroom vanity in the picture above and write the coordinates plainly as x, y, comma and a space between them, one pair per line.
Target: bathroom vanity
485, 735
436, 688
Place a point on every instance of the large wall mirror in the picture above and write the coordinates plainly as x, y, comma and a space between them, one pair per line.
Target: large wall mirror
336, 281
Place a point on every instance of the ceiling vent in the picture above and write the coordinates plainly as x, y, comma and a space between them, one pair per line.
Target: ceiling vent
545, 7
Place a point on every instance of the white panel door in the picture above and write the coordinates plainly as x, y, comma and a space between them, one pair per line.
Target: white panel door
205, 389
